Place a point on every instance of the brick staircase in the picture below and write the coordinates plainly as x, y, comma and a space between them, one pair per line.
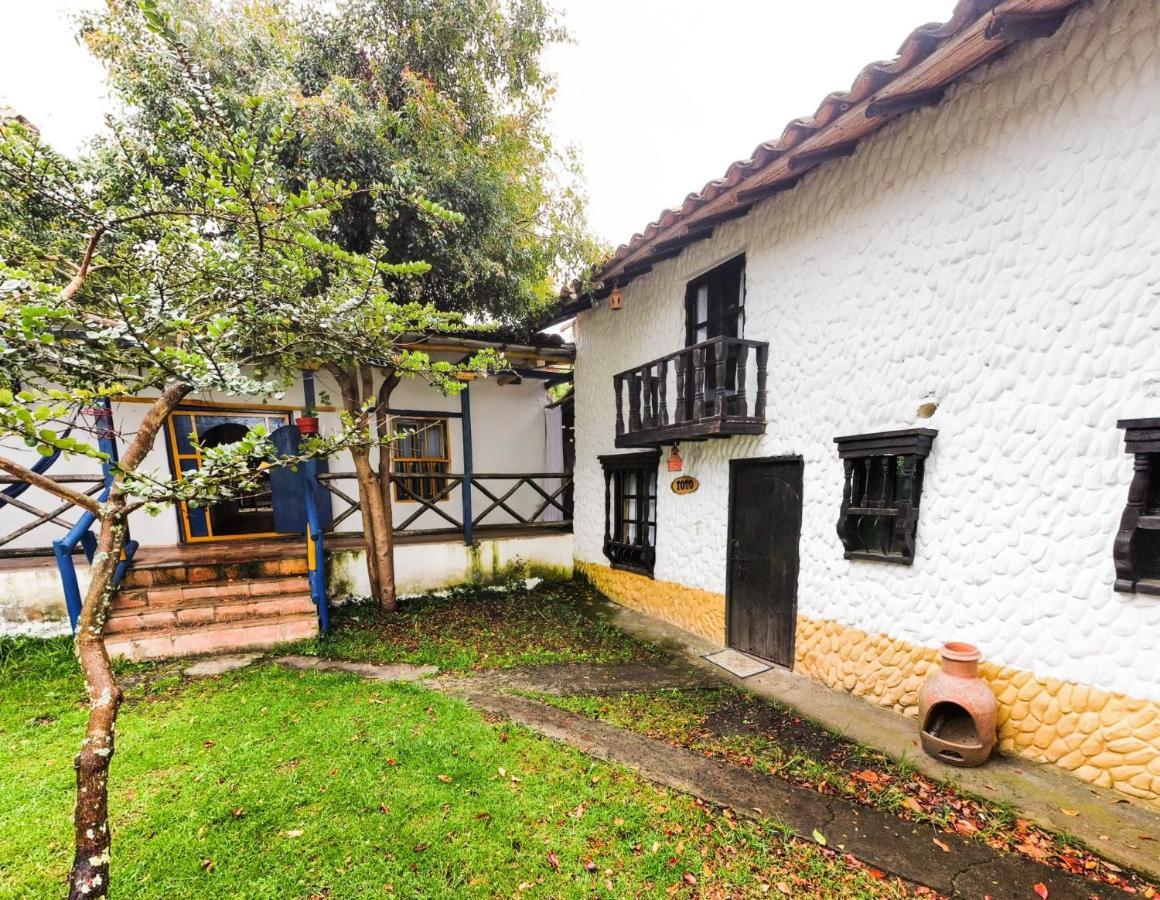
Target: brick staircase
175, 609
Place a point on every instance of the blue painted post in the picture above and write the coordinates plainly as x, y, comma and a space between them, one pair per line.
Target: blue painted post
80, 533
468, 462
315, 551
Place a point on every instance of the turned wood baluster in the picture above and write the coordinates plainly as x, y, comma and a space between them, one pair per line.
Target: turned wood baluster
699, 383
663, 385
742, 360
634, 423
647, 419
679, 411
722, 368
1126, 575
866, 500
762, 362
885, 462
618, 384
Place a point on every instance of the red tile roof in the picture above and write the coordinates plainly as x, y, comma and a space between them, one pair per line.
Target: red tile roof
932, 57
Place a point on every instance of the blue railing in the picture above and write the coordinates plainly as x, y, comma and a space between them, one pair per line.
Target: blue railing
82, 532
315, 551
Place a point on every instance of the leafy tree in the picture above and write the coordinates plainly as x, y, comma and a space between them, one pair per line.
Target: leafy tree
440, 103
166, 262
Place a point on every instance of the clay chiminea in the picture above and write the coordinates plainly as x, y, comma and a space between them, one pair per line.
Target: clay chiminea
958, 710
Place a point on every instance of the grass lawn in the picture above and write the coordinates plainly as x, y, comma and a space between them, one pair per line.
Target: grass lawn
742, 729
275, 783
467, 629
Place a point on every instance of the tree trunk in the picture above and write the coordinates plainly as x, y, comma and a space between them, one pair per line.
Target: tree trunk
89, 878
385, 540
380, 564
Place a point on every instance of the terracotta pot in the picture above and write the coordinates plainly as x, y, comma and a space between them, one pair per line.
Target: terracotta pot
957, 709
307, 424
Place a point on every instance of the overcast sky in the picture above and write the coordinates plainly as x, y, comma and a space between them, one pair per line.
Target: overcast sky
658, 95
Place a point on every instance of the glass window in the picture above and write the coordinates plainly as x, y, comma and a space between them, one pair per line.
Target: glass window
422, 453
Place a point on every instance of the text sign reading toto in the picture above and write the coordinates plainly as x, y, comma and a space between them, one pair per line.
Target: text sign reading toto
686, 484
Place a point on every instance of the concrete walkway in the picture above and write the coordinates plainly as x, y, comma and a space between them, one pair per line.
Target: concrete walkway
1124, 831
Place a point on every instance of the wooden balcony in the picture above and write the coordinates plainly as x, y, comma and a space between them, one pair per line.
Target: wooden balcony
709, 390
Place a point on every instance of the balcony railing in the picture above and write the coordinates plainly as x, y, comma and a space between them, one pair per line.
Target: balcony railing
712, 389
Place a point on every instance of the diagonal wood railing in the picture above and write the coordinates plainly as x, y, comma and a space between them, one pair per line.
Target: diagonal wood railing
40, 518
513, 499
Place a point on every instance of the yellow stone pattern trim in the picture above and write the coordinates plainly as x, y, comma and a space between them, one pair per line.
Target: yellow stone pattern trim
1108, 739
701, 612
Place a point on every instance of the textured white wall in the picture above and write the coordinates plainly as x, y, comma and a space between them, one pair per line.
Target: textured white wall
999, 252
507, 429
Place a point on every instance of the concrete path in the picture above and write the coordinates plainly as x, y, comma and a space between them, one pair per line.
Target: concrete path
911, 851
589, 678
1125, 831
219, 665
374, 671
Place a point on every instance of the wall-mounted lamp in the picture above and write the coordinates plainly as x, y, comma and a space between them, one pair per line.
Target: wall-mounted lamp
676, 464
616, 299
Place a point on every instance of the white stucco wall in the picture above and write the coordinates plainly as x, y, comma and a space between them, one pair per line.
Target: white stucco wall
508, 435
1000, 253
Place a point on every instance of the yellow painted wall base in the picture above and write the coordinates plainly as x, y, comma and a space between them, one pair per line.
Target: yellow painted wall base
701, 612
1108, 739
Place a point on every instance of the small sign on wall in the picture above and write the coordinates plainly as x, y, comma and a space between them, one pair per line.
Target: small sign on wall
686, 484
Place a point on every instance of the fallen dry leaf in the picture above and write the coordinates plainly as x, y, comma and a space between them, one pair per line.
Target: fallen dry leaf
1041, 890
553, 861
446, 779
819, 837
783, 888
1069, 812
942, 845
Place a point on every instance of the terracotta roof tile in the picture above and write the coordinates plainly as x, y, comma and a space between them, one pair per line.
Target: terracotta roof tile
931, 57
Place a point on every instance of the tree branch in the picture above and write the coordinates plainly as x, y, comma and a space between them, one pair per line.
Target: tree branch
47, 484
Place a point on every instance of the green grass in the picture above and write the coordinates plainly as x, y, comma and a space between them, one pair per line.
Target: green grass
475, 628
273, 783
735, 726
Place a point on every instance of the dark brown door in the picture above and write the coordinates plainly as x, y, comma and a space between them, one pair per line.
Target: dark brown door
765, 523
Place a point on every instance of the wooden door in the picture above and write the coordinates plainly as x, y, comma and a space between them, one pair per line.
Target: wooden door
765, 523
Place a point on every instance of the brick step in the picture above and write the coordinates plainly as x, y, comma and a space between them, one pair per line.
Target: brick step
162, 575
219, 637
225, 591
198, 614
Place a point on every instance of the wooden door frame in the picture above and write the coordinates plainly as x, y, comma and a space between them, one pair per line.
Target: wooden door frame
734, 464
209, 408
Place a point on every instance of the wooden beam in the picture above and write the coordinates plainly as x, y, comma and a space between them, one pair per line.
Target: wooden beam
689, 237
893, 106
509, 378
645, 264
753, 195
728, 215
1014, 26
813, 158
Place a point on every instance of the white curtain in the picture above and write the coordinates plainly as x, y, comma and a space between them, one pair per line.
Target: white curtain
554, 462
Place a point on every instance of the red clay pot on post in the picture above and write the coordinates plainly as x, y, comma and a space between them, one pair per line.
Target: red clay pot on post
958, 710
307, 424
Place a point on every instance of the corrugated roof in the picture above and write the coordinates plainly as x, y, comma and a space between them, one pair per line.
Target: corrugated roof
932, 57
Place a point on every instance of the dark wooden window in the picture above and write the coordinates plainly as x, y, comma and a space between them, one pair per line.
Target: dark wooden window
715, 308
880, 499
630, 510
715, 303
423, 450
1137, 547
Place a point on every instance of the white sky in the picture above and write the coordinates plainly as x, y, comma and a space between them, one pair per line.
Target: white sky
658, 95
